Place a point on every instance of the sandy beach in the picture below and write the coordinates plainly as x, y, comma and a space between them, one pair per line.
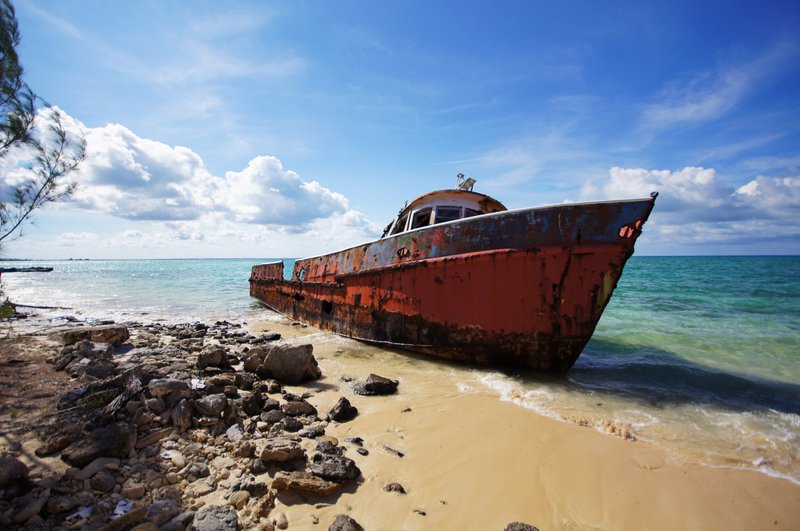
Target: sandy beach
472, 462
464, 459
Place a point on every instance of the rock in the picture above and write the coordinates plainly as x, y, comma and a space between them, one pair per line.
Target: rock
342, 411
334, 467
253, 403
61, 504
245, 380
272, 416
169, 386
290, 364
179, 522
312, 432
281, 450
155, 436
162, 511
31, 509
114, 440
11, 469
396, 453
344, 523
255, 357
295, 408
175, 457
216, 518
95, 351
58, 441
211, 405
290, 424
113, 334
133, 491
394, 487
239, 498
201, 487
100, 369
222, 462
303, 483
519, 526
375, 385
156, 405
212, 356
127, 520
182, 415
281, 521
234, 433
104, 481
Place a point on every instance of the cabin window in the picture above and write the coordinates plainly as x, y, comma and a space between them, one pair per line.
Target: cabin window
400, 226
468, 212
422, 218
447, 213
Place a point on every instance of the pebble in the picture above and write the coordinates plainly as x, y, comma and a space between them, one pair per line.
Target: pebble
133, 491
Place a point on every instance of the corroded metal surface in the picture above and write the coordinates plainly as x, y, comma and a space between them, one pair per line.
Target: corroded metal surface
523, 287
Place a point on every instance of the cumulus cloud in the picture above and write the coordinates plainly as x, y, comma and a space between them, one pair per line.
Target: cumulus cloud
775, 197
176, 201
142, 179
690, 189
266, 193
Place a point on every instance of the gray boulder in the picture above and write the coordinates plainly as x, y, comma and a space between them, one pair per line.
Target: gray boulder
334, 467
216, 518
169, 387
290, 364
113, 334
211, 405
114, 440
212, 356
281, 450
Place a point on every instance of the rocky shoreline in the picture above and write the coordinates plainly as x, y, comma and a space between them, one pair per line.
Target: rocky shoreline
188, 426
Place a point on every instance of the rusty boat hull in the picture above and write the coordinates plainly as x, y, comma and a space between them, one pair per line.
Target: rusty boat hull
519, 288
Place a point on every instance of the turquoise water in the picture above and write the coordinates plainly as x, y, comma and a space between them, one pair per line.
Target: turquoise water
699, 355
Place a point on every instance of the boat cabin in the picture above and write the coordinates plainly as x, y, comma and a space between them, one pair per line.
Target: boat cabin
442, 206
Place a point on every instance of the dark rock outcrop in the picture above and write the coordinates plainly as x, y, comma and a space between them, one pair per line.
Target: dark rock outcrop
114, 440
344, 523
342, 411
374, 385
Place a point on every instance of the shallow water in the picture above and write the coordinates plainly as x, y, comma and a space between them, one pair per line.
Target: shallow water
697, 355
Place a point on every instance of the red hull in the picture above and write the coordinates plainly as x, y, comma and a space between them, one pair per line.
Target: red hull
508, 302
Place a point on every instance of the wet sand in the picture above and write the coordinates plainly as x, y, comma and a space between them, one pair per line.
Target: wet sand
471, 461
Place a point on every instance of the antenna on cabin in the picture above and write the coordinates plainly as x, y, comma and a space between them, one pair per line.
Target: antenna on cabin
464, 183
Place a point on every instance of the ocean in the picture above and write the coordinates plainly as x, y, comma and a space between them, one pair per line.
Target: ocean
697, 355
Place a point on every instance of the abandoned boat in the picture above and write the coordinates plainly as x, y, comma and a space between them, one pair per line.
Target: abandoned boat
459, 276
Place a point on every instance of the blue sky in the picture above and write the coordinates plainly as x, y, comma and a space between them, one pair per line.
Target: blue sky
260, 129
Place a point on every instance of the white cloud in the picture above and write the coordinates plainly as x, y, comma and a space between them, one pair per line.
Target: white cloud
687, 189
266, 193
142, 179
775, 197
176, 201
694, 207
